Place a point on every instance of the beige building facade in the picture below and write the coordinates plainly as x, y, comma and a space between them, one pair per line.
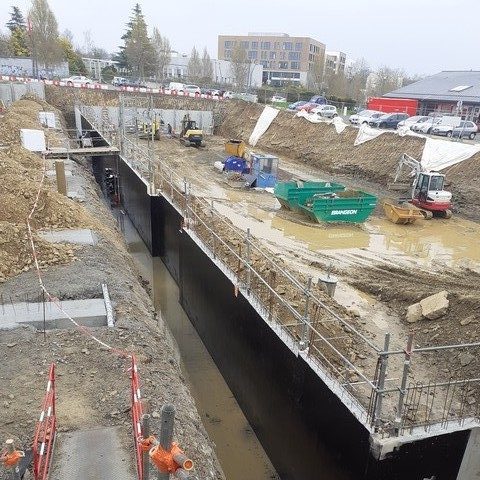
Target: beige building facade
284, 59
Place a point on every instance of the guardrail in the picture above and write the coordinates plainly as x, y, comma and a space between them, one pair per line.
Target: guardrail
380, 392
45, 431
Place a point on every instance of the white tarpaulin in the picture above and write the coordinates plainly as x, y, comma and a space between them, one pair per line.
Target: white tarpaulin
263, 122
366, 133
440, 154
47, 119
338, 123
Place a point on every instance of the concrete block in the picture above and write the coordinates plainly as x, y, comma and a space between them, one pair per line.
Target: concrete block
414, 313
435, 306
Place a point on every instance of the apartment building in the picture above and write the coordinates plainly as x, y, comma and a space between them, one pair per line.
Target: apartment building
335, 62
284, 59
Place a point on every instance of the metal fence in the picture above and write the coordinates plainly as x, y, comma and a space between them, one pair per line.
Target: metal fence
387, 394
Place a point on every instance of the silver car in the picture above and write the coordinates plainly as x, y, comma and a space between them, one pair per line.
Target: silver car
465, 129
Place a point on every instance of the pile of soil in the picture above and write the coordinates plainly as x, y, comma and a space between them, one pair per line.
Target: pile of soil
320, 146
21, 172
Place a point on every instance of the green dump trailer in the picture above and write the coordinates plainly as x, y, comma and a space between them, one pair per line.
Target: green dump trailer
295, 193
351, 206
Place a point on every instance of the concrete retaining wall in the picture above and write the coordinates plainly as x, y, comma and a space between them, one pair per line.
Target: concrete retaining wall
305, 429
11, 92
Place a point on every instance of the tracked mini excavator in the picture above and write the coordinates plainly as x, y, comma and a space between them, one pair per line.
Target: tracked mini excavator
427, 192
190, 134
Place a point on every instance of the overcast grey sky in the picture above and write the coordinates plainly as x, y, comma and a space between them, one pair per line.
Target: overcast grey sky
419, 36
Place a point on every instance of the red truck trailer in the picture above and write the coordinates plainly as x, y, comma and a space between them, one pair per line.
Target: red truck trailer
389, 105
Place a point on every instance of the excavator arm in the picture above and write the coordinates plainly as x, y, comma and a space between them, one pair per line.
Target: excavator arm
415, 165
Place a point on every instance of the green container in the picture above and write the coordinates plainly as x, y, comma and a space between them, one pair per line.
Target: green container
352, 206
293, 194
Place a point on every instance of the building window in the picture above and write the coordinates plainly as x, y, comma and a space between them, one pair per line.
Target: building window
245, 44
287, 45
263, 55
229, 44
264, 63
254, 45
311, 57
273, 55
252, 55
273, 64
299, 47
228, 54
295, 65
283, 65
294, 55
265, 45
277, 46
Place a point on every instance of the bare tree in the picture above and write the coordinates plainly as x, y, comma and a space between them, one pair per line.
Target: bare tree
240, 67
163, 52
194, 66
315, 74
207, 69
356, 75
336, 84
44, 34
384, 80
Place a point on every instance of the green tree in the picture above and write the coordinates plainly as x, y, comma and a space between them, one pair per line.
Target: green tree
137, 54
5, 45
75, 62
163, 52
194, 66
108, 73
45, 44
207, 69
16, 20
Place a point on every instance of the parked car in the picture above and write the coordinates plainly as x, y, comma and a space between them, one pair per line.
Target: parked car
176, 86
327, 111
278, 99
79, 79
119, 81
191, 89
426, 126
227, 94
308, 107
364, 116
296, 105
410, 121
318, 99
389, 120
464, 129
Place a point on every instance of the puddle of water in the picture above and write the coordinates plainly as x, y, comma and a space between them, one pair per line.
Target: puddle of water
238, 449
453, 242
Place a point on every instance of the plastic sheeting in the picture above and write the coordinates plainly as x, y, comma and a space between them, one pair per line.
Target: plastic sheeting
366, 133
337, 122
264, 121
441, 154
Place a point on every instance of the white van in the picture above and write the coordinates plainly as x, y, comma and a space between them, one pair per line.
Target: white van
192, 89
178, 87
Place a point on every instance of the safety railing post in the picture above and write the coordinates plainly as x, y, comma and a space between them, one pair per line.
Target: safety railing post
247, 261
212, 213
401, 395
381, 382
304, 335
166, 433
145, 456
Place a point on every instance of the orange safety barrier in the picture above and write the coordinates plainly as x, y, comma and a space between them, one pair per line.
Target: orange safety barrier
137, 412
45, 431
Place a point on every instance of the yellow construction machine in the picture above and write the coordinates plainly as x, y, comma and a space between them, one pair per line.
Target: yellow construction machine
190, 134
151, 130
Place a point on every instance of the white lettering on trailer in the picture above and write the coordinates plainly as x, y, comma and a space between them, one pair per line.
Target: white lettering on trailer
344, 212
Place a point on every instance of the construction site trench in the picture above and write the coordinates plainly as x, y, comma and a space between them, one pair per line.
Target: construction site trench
382, 270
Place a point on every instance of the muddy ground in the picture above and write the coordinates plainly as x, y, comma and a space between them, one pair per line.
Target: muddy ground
382, 268
93, 385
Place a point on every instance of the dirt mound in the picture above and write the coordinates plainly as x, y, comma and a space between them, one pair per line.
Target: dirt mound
375, 161
16, 252
20, 174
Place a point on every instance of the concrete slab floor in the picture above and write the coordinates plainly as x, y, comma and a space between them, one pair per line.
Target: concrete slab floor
91, 455
81, 236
